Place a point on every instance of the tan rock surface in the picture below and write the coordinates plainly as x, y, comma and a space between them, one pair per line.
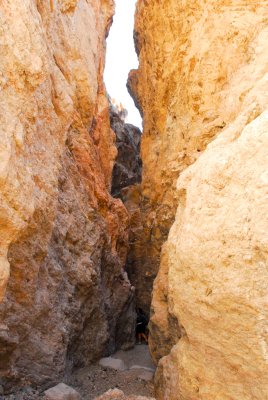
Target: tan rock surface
218, 272
116, 394
39, 90
177, 88
68, 300
202, 74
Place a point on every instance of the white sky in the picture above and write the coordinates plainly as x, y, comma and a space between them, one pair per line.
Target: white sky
121, 58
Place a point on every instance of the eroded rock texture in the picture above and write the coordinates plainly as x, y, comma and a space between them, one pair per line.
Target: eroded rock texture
128, 166
202, 79
67, 300
126, 185
116, 394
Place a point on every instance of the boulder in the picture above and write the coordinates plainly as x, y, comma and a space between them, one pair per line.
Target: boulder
61, 392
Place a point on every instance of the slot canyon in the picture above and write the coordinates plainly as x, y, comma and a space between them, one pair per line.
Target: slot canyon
99, 219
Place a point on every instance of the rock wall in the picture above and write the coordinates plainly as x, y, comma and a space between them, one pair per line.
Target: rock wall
202, 89
128, 166
66, 299
126, 185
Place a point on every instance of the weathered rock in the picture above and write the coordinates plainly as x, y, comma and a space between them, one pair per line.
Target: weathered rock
112, 394
165, 330
126, 185
177, 88
61, 392
143, 373
113, 363
140, 274
62, 233
132, 365
203, 74
138, 357
217, 270
116, 394
128, 165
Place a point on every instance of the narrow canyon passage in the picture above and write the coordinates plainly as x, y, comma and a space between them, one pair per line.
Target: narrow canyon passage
98, 219
66, 297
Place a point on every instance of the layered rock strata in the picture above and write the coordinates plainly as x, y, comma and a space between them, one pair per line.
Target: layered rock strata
202, 79
66, 299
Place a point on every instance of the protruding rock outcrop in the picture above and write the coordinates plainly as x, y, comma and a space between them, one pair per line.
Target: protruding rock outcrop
217, 270
68, 299
202, 79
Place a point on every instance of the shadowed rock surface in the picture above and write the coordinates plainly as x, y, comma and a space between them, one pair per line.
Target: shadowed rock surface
128, 166
63, 237
126, 181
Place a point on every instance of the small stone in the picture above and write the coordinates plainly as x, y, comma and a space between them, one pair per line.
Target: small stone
61, 392
142, 367
113, 363
142, 373
111, 394
116, 394
146, 376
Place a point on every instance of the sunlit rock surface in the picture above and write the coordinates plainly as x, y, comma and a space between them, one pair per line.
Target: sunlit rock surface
202, 88
63, 238
116, 394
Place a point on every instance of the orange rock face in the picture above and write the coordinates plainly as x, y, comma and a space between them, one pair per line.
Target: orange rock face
63, 238
201, 86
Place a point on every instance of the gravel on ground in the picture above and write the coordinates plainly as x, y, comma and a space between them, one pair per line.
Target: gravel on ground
94, 380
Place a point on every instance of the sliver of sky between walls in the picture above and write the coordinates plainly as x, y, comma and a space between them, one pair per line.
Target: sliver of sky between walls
121, 58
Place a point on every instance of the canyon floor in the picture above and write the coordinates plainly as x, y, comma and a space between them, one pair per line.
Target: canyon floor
95, 380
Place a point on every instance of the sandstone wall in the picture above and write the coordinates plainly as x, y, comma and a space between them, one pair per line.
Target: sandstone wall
202, 79
62, 236
178, 120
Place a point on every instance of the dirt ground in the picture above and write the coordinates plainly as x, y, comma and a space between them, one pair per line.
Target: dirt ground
95, 380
